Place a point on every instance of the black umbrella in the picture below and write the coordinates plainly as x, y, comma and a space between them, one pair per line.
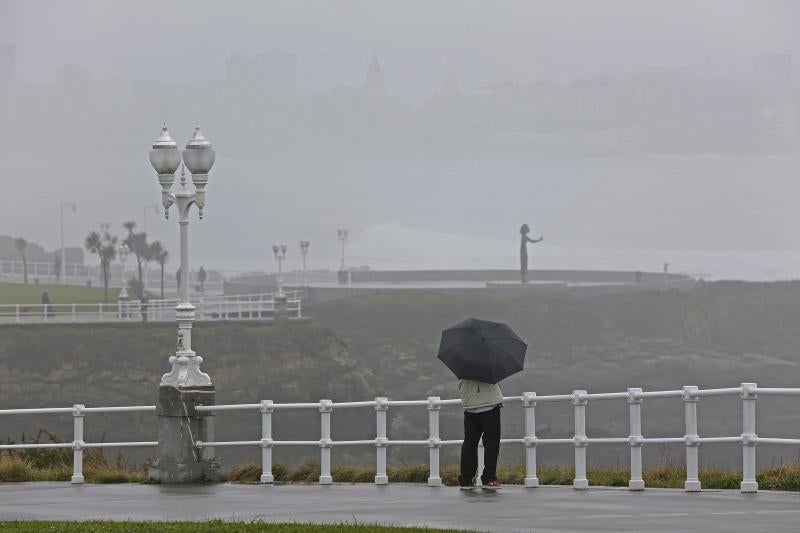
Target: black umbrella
481, 350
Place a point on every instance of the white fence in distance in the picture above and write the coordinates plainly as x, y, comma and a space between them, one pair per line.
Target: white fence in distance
690, 395
236, 307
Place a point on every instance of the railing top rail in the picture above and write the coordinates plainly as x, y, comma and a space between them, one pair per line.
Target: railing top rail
62, 410
778, 391
698, 393
36, 411
121, 409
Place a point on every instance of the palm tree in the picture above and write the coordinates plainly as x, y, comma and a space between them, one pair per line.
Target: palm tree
129, 225
105, 247
137, 242
159, 254
21, 245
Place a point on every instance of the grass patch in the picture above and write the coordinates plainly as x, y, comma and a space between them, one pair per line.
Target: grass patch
20, 293
669, 475
55, 464
211, 526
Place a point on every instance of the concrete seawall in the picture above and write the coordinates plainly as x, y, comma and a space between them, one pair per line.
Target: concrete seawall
495, 283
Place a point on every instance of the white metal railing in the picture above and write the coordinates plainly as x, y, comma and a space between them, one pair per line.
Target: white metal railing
80, 274
690, 395
579, 399
244, 307
78, 412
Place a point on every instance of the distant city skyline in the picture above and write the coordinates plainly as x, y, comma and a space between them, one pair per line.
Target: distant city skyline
334, 41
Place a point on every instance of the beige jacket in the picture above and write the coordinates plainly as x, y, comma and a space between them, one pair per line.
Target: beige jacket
475, 394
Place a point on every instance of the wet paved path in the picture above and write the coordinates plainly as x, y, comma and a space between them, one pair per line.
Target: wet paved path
546, 509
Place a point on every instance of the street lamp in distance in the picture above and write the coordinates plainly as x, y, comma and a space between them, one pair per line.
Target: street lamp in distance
63, 266
122, 253
304, 246
344, 276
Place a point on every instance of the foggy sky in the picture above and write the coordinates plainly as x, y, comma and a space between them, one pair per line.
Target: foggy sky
412, 210
478, 41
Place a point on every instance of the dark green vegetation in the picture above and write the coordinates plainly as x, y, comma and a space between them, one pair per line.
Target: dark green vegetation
719, 334
212, 526
666, 476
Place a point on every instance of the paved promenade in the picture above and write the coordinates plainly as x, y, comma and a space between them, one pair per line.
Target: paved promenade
546, 509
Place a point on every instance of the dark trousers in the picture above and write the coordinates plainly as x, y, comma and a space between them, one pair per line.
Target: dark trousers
484, 425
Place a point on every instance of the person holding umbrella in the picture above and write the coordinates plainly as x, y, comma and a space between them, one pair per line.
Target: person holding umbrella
481, 354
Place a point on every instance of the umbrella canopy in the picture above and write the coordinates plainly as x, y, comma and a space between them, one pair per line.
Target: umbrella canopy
481, 350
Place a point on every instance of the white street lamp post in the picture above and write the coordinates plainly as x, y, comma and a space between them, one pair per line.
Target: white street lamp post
185, 387
198, 157
304, 245
342, 237
122, 251
279, 251
63, 266
280, 300
344, 275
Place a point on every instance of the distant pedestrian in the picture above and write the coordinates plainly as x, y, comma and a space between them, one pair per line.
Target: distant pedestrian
143, 302
201, 277
45, 303
523, 251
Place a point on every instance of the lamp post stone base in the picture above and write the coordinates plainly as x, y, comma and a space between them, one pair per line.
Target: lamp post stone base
180, 427
281, 307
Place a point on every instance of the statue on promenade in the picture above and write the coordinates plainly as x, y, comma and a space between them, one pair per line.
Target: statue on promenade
523, 251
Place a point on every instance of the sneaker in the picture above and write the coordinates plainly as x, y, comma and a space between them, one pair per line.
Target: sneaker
467, 487
492, 485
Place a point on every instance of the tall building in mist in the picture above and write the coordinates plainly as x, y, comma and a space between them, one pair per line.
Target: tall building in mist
8, 63
275, 71
375, 82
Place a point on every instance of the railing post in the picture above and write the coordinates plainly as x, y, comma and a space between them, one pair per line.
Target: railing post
529, 406
749, 438
77, 444
101, 312
381, 440
635, 406
692, 483
73, 312
434, 479
325, 408
579, 402
266, 441
17, 309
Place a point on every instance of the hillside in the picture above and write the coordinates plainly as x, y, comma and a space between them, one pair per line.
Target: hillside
719, 334
58, 365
